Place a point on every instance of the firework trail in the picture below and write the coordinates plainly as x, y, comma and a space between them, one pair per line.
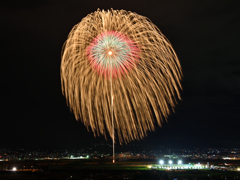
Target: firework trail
121, 53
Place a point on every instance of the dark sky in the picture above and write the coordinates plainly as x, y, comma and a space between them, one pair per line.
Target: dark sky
204, 34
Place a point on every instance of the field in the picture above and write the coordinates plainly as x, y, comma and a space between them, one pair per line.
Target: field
98, 170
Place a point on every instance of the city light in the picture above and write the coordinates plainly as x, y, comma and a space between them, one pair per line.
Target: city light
14, 169
150, 166
161, 162
179, 161
170, 162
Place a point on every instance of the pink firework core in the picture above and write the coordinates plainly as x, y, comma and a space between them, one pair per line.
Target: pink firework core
113, 53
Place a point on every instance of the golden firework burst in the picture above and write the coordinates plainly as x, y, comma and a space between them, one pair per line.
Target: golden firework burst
120, 53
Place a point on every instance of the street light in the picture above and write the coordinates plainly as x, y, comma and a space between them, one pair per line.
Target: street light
14, 169
170, 162
179, 161
161, 162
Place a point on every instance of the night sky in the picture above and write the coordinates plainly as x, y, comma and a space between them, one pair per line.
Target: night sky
204, 34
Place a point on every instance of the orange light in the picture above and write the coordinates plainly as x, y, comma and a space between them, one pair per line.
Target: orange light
109, 53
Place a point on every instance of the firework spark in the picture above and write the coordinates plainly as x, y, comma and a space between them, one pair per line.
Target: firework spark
124, 54
112, 47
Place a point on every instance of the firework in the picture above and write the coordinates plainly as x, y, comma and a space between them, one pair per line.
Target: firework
123, 55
